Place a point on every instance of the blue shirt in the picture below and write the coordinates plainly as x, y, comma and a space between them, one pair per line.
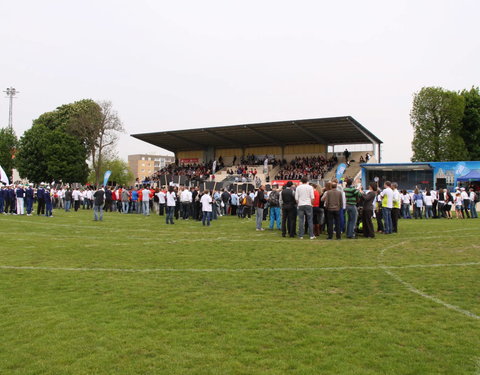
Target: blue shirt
29, 193
134, 195
40, 193
20, 193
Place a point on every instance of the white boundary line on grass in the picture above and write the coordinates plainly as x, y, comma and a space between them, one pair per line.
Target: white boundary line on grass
411, 288
235, 270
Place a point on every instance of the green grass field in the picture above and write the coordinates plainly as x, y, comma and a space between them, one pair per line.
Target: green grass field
131, 295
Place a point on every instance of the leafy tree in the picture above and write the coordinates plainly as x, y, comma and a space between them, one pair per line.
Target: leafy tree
436, 117
48, 152
31, 162
470, 131
121, 172
65, 157
8, 145
98, 128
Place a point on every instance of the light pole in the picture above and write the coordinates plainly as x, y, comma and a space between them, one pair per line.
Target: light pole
11, 92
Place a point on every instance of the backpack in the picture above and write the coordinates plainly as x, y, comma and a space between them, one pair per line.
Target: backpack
274, 198
244, 201
476, 198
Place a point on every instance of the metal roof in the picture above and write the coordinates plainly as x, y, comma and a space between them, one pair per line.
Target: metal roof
328, 131
416, 166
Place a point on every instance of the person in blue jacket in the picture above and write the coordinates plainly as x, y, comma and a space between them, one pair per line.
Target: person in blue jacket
20, 199
13, 200
2, 199
40, 200
29, 199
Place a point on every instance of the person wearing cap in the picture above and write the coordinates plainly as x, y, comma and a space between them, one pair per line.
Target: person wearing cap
20, 196
48, 203
29, 199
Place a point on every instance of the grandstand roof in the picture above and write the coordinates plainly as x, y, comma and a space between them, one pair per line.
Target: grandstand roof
328, 131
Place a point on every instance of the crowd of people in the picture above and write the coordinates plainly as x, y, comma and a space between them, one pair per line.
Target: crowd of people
308, 208
313, 168
194, 172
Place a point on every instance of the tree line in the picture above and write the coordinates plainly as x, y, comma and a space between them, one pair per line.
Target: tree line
446, 124
74, 143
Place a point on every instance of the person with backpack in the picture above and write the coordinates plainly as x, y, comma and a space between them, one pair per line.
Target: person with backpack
242, 202
248, 207
274, 203
259, 203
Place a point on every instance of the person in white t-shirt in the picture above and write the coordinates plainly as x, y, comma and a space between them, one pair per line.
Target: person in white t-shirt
466, 203
161, 201
304, 197
186, 203
458, 205
146, 201
428, 199
171, 199
206, 202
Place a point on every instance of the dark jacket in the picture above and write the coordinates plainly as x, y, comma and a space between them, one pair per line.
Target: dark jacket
99, 196
288, 198
368, 199
260, 200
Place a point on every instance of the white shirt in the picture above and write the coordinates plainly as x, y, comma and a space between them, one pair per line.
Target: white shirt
406, 199
389, 193
206, 201
304, 195
186, 196
76, 195
145, 195
472, 196
171, 197
464, 194
161, 197
428, 200
458, 200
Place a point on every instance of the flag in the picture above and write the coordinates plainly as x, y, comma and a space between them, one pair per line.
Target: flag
340, 170
106, 177
3, 176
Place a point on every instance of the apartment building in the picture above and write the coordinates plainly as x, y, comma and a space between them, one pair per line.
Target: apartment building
144, 165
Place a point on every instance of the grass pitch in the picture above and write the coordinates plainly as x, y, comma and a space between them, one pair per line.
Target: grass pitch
131, 295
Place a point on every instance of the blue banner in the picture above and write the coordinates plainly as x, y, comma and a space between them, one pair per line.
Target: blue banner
106, 177
340, 170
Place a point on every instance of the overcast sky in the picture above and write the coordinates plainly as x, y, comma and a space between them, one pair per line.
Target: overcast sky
169, 65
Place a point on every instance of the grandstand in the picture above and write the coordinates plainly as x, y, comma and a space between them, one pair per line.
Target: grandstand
249, 145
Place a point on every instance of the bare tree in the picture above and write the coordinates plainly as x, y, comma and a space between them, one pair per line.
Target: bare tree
98, 126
